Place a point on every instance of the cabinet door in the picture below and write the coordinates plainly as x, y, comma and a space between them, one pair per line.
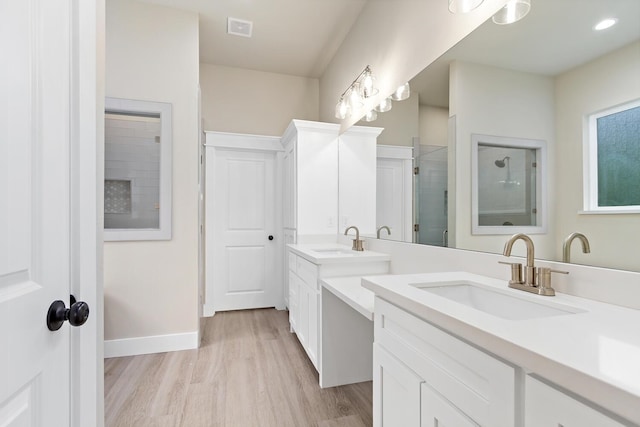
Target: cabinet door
436, 411
396, 391
547, 407
312, 341
294, 311
303, 309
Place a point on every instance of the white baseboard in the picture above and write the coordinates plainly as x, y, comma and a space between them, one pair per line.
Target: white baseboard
150, 344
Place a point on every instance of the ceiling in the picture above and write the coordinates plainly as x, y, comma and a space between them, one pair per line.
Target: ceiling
554, 37
296, 37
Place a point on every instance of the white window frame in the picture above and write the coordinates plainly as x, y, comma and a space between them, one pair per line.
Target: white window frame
541, 185
163, 232
590, 166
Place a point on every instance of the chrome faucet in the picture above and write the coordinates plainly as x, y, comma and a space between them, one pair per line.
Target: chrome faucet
536, 280
381, 228
357, 243
566, 246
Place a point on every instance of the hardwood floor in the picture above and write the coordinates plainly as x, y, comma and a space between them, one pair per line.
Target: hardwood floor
250, 371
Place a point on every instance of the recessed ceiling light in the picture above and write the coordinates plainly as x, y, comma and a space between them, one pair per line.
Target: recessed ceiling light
605, 23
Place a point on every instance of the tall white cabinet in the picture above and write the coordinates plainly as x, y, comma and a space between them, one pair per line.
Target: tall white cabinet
329, 182
310, 178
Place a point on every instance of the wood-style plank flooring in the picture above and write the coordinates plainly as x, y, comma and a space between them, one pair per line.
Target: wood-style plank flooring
249, 371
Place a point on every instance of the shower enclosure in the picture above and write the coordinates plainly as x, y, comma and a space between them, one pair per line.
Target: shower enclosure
431, 195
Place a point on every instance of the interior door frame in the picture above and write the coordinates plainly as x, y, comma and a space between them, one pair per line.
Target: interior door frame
87, 181
254, 143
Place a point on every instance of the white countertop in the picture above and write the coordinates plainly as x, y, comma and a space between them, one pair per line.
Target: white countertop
350, 290
331, 253
594, 353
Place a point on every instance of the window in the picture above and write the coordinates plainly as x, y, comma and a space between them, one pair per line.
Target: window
137, 186
508, 189
612, 160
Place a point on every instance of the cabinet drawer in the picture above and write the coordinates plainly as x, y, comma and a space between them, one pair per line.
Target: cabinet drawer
545, 406
481, 386
293, 265
308, 272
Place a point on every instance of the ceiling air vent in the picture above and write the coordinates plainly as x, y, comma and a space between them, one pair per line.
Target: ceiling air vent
239, 27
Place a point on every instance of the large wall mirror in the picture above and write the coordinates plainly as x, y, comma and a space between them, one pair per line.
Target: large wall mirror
137, 170
538, 79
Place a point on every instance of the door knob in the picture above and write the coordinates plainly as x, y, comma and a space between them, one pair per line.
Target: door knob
270, 237
77, 314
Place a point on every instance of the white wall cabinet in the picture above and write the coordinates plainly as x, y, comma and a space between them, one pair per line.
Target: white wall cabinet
311, 177
547, 407
457, 384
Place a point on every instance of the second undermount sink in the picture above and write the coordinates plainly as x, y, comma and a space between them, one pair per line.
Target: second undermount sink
334, 251
494, 302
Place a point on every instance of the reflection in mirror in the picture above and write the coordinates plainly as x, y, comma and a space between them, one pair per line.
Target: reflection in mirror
137, 185
539, 78
509, 185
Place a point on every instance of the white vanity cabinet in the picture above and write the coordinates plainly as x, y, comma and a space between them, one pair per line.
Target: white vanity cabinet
447, 381
546, 406
304, 296
308, 265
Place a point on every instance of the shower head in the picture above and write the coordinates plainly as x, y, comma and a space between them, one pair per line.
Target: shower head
501, 163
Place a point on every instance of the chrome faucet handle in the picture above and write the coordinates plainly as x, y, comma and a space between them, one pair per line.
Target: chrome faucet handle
516, 272
543, 280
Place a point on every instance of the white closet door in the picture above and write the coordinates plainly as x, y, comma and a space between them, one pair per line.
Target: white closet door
242, 266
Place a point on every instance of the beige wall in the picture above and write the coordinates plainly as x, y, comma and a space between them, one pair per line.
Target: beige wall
605, 82
400, 124
255, 102
151, 288
398, 39
434, 125
493, 101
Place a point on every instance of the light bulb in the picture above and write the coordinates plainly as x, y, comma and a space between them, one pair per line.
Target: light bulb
355, 100
367, 85
384, 106
512, 12
402, 93
342, 109
463, 6
370, 116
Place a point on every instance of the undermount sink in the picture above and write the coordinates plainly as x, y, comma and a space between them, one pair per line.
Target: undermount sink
494, 302
334, 251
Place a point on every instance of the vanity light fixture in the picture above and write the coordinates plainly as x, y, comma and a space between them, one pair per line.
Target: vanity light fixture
512, 12
352, 99
384, 106
402, 93
605, 23
463, 6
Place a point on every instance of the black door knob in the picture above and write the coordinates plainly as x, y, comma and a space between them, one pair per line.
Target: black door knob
270, 237
77, 314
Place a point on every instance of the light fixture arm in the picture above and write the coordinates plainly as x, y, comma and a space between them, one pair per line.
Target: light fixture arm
366, 70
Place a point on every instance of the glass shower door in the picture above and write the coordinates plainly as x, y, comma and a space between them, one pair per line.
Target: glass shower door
431, 195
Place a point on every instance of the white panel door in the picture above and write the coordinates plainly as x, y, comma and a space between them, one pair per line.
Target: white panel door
243, 223
390, 199
34, 210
